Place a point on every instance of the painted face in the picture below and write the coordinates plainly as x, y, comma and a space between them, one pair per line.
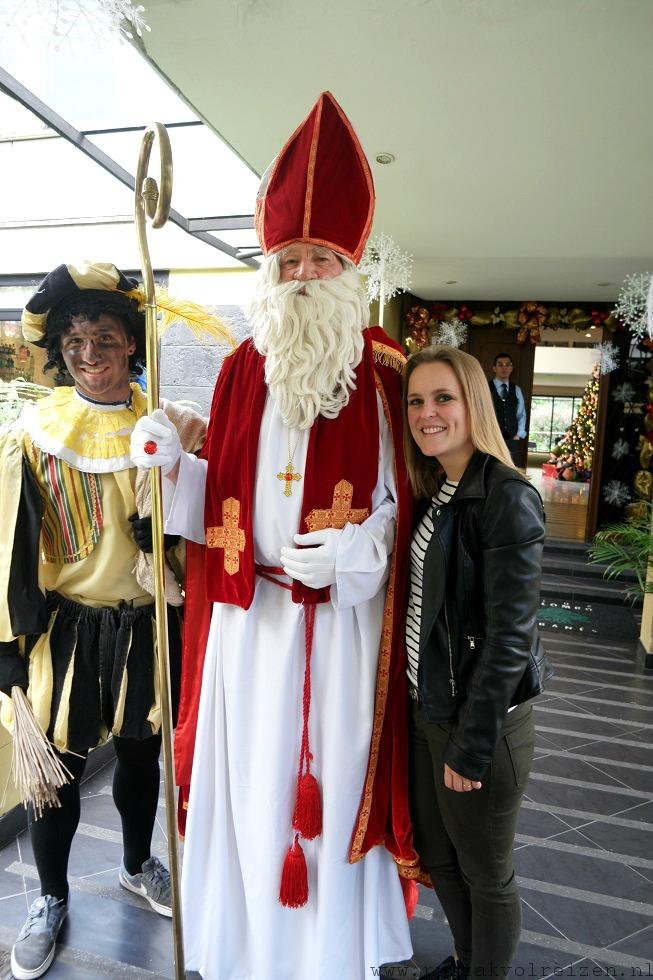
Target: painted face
438, 416
302, 262
97, 357
503, 368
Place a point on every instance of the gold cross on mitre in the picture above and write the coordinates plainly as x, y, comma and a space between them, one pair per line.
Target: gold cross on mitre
340, 512
289, 475
231, 537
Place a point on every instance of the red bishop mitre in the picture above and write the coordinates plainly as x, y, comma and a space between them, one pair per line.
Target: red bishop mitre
319, 189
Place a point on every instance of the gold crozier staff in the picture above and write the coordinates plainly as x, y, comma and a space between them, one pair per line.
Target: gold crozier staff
153, 201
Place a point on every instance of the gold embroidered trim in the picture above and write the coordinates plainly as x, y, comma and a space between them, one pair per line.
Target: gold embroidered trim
340, 512
368, 180
388, 356
230, 536
382, 683
310, 172
313, 240
412, 872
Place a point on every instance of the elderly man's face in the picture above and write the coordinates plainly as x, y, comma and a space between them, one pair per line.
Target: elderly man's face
303, 262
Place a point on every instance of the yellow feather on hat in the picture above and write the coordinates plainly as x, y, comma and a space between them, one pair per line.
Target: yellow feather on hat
199, 320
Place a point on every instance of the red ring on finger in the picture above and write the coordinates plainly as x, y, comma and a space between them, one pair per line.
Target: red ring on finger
150, 447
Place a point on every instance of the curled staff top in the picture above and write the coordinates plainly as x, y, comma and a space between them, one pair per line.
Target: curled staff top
152, 201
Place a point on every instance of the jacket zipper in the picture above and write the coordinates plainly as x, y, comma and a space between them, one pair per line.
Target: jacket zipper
452, 682
472, 640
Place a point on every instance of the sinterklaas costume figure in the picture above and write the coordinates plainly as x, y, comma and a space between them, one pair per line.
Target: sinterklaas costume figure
291, 743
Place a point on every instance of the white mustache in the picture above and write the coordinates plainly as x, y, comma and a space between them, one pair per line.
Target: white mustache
299, 287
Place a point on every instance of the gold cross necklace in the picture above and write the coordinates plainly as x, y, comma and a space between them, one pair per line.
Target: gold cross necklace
289, 475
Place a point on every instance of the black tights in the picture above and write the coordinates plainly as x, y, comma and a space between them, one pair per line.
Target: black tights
135, 793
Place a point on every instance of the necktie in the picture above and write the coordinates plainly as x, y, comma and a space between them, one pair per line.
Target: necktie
504, 391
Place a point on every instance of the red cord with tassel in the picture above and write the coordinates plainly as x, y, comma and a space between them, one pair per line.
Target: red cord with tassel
307, 815
411, 894
293, 892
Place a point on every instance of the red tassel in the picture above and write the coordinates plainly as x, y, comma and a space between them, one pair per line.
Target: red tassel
307, 818
411, 894
293, 892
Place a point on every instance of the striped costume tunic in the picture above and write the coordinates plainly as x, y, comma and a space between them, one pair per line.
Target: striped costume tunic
420, 542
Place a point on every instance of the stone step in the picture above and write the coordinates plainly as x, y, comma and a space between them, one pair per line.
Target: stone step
586, 590
573, 567
565, 546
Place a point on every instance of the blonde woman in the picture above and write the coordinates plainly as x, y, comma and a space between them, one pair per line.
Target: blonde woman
474, 658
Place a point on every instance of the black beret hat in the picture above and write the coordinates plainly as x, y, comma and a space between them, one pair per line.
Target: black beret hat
67, 281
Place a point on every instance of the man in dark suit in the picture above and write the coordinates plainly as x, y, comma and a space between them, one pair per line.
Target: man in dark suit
508, 404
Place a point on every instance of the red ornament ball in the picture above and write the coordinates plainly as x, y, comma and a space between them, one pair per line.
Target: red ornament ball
150, 447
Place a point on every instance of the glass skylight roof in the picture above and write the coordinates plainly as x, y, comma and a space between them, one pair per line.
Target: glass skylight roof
54, 185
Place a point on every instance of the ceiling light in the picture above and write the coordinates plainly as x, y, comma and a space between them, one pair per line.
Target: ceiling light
588, 334
593, 327
385, 158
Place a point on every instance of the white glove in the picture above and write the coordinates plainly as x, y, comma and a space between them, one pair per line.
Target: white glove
158, 431
314, 567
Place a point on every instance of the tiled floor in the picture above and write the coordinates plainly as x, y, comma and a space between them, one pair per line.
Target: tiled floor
584, 848
584, 851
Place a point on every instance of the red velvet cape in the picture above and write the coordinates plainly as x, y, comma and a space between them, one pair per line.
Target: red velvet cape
345, 448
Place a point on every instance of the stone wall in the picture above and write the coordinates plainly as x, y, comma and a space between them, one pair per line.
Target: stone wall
189, 367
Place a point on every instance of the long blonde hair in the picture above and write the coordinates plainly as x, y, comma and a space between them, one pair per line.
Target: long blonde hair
425, 473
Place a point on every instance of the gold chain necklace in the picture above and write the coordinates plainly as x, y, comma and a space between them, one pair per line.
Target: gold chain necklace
289, 475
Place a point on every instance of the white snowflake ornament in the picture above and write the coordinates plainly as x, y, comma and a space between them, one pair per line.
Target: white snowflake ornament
632, 303
617, 493
620, 449
450, 333
71, 21
387, 267
608, 357
624, 393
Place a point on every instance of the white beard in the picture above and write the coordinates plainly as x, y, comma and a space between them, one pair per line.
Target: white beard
311, 335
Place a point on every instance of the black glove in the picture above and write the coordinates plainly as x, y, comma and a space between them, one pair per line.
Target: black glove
13, 669
142, 531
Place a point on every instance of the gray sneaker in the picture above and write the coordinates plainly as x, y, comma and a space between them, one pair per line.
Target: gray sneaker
33, 950
153, 883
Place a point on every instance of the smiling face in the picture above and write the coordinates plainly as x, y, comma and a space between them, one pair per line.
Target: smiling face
302, 262
96, 354
438, 417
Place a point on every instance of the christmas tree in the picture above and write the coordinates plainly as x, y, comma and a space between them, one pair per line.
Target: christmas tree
572, 454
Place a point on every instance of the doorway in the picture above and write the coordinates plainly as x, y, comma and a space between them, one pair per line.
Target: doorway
562, 428
484, 344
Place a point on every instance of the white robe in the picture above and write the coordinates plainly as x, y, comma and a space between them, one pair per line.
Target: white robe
248, 739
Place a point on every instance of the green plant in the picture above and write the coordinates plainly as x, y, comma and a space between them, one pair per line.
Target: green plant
627, 547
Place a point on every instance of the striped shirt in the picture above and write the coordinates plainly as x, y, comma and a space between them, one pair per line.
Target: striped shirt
420, 542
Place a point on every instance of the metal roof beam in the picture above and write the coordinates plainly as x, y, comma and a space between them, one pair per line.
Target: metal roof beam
230, 222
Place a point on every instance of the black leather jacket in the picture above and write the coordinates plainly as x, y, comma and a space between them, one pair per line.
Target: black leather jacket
480, 651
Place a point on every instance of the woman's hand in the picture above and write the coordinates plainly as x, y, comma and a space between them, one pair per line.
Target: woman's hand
459, 784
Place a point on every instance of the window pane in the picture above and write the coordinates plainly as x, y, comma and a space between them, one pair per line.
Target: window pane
541, 440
